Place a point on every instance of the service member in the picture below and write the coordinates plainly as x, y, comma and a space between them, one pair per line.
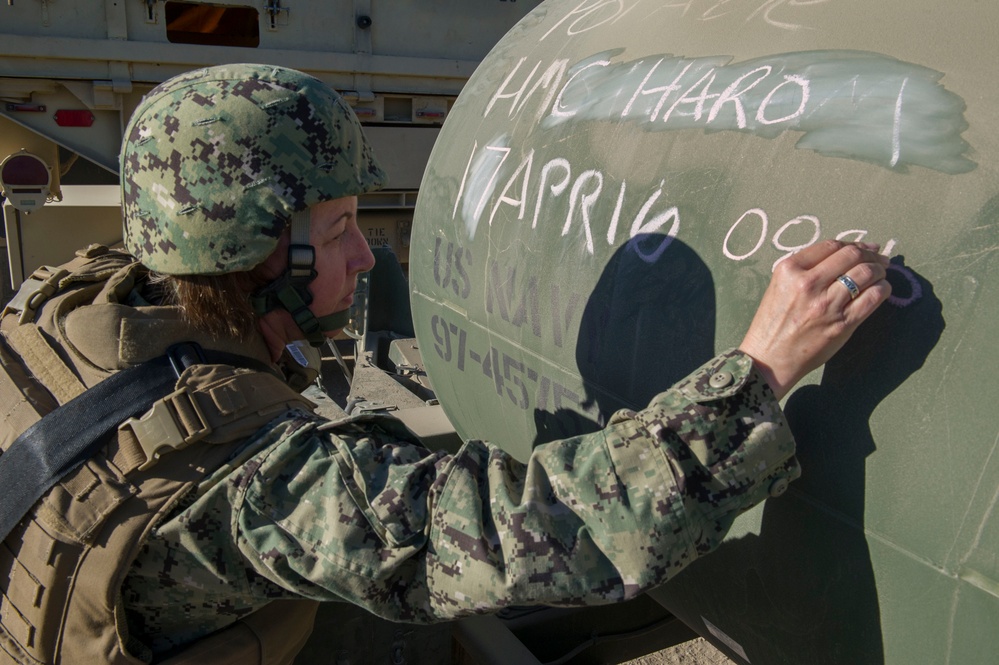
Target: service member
205, 526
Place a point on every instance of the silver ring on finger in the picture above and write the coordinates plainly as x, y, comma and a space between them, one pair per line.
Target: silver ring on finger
850, 285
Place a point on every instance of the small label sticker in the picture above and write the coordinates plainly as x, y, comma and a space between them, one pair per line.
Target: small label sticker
725, 639
297, 354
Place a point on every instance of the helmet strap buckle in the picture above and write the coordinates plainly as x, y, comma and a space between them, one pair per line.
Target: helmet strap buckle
301, 264
291, 291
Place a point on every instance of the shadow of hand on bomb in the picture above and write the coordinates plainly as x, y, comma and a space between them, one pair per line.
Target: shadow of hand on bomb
649, 322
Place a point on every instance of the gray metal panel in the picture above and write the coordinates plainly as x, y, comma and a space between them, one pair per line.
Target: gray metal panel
426, 47
403, 152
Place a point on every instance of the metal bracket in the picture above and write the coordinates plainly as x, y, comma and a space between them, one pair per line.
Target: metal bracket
115, 20
362, 27
104, 97
274, 9
45, 12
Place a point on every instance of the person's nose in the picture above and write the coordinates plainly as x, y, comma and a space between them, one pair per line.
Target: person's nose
359, 258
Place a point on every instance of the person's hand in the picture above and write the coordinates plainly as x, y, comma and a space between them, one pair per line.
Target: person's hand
808, 313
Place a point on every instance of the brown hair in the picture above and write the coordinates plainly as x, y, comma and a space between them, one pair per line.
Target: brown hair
220, 304
215, 304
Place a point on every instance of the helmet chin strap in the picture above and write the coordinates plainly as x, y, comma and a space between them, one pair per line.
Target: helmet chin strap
291, 292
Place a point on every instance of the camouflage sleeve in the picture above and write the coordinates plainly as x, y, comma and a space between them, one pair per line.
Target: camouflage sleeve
412, 535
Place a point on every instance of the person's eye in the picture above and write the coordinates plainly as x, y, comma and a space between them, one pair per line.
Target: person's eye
339, 232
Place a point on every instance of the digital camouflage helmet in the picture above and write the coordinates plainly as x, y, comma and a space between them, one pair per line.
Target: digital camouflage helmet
217, 162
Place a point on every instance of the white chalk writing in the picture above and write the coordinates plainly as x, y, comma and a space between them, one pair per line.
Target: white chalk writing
835, 98
743, 229
592, 14
549, 185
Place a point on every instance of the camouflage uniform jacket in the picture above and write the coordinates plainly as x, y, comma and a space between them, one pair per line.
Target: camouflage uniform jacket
356, 511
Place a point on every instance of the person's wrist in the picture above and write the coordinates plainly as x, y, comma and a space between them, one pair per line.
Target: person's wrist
779, 384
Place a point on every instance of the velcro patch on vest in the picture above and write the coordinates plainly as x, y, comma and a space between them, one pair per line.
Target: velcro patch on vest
44, 363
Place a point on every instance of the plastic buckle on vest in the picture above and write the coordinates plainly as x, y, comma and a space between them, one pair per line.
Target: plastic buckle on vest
34, 292
174, 422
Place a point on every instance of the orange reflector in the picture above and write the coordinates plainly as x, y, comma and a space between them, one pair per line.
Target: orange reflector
74, 118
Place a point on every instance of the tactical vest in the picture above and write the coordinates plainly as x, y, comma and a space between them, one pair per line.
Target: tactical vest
62, 568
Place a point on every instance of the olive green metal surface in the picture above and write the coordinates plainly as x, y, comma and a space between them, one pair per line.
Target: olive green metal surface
601, 214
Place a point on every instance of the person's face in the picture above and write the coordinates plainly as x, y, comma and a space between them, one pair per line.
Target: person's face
341, 254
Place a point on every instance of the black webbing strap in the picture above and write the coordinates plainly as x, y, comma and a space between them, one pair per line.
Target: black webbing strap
73, 433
